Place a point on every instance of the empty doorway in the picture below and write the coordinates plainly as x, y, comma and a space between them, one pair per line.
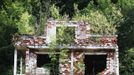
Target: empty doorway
44, 61
94, 64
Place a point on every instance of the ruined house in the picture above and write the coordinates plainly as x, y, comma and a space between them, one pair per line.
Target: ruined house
88, 54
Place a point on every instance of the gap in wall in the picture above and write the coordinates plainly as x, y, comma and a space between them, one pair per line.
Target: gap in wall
94, 64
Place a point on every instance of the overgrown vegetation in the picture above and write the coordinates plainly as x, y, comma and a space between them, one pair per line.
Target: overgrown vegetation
64, 37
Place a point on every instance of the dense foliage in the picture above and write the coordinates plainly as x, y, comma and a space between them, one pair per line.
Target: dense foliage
105, 17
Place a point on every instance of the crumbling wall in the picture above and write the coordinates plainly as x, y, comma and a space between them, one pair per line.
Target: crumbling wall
73, 64
78, 63
111, 64
65, 65
31, 63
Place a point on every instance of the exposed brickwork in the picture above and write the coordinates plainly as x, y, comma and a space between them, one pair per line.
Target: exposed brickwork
65, 65
110, 64
78, 63
31, 63
82, 39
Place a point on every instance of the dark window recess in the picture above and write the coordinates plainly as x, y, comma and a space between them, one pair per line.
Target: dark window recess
94, 64
43, 60
68, 36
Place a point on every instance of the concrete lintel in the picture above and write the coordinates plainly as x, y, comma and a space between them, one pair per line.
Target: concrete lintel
75, 47
95, 53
